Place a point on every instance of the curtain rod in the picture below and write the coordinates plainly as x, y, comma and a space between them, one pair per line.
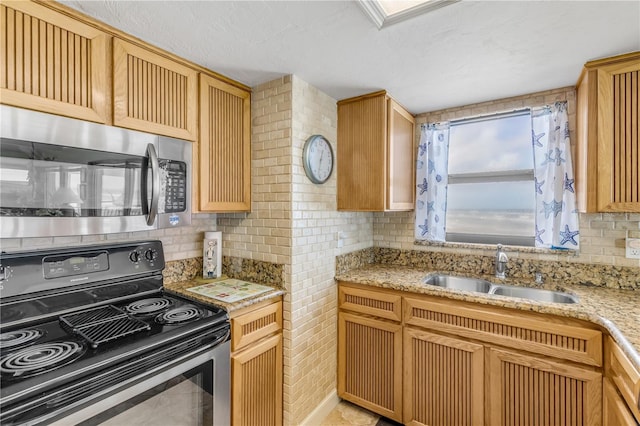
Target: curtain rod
491, 116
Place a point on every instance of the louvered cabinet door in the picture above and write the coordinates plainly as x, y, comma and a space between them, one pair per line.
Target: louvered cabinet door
152, 93
53, 63
257, 384
443, 380
370, 364
224, 147
608, 127
618, 110
527, 390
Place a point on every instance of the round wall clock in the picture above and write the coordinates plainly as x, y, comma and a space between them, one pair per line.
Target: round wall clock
317, 159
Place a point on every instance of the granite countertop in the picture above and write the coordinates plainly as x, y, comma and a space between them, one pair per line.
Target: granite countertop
180, 288
618, 311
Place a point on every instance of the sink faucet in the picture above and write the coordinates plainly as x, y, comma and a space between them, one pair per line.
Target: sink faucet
501, 262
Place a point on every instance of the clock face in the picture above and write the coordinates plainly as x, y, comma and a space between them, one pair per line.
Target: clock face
317, 159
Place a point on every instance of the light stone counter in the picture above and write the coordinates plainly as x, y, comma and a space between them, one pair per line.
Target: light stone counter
618, 311
180, 288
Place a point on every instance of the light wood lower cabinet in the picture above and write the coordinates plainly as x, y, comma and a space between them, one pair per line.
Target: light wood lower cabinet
527, 390
614, 408
443, 380
370, 364
467, 364
256, 366
624, 376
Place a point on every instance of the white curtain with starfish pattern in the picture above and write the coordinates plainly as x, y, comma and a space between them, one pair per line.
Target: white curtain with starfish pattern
556, 214
432, 179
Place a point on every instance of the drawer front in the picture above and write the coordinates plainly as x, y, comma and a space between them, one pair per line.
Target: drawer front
625, 377
376, 303
253, 326
521, 331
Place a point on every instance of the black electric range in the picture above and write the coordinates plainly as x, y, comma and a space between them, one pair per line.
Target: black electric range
78, 321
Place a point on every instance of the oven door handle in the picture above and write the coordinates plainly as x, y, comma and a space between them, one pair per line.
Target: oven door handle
155, 183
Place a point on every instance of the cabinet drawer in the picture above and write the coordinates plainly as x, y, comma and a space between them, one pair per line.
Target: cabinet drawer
554, 337
625, 377
379, 304
253, 326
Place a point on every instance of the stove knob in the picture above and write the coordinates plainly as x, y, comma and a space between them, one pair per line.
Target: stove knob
150, 255
134, 256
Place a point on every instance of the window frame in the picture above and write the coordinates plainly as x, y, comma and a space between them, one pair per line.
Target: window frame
517, 175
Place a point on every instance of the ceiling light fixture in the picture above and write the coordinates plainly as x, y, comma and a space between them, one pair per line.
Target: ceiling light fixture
387, 12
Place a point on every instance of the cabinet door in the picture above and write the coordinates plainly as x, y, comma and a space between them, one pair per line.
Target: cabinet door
53, 63
225, 147
362, 133
443, 380
256, 396
624, 375
618, 103
370, 364
152, 93
608, 132
614, 409
526, 390
401, 159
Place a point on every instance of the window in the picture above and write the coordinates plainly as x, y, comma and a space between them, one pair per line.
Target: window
491, 191
507, 178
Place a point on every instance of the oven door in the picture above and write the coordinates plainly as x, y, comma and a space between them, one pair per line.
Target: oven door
159, 388
194, 392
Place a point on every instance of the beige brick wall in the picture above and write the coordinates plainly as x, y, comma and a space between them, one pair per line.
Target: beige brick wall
179, 243
601, 235
295, 223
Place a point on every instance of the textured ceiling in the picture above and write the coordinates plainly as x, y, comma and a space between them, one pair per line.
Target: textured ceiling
464, 53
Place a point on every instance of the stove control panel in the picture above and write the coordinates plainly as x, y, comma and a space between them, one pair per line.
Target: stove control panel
148, 255
54, 269
65, 266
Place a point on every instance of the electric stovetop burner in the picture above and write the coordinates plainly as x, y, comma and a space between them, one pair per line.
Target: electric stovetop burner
149, 306
180, 315
19, 338
38, 359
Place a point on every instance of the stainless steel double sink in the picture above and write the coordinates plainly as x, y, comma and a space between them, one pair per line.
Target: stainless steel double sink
482, 286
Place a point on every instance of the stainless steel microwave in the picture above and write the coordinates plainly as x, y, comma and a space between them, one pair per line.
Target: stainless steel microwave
60, 176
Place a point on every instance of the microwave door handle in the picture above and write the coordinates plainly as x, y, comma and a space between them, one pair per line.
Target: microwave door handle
155, 183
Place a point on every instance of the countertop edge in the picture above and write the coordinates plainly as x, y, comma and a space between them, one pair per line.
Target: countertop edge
180, 289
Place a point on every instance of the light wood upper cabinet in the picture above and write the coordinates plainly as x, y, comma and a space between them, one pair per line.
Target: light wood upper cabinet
153, 93
608, 148
376, 167
53, 63
527, 390
224, 151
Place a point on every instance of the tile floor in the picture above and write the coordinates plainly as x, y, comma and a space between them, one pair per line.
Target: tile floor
347, 414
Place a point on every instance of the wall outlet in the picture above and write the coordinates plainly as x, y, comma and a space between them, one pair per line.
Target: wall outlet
633, 248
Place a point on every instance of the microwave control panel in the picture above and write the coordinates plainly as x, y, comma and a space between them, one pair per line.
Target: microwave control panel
175, 186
